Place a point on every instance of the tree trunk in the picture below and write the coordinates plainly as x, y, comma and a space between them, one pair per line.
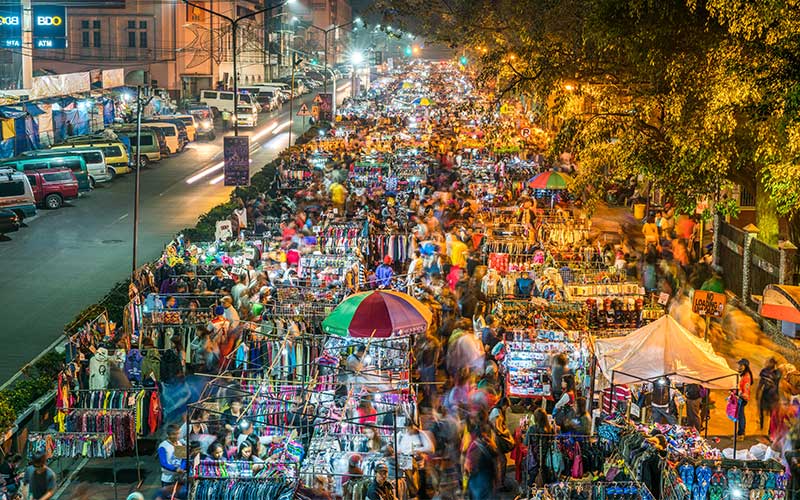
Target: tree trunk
766, 216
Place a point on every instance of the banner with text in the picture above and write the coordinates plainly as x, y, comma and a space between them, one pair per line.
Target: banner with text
237, 160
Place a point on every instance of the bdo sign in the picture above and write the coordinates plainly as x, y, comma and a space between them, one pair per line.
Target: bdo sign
10, 26
49, 26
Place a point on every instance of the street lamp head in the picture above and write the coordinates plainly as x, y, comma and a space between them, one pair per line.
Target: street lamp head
357, 57
357, 20
294, 19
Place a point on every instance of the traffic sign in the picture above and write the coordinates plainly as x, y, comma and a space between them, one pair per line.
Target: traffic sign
707, 303
315, 111
318, 99
303, 111
526, 132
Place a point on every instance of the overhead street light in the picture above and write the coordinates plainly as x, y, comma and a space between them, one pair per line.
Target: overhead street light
234, 31
325, 40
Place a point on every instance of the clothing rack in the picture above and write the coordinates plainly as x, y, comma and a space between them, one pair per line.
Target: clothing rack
72, 444
75, 445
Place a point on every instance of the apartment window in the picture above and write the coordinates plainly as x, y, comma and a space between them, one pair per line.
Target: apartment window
137, 30
90, 33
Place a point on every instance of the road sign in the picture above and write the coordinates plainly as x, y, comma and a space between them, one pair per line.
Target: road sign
304, 111
315, 111
318, 99
526, 132
707, 303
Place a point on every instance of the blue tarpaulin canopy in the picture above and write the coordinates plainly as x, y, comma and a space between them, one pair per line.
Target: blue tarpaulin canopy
32, 109
12, 112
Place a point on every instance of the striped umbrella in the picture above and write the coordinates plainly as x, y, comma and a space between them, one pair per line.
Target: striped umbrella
549, 180
379, 314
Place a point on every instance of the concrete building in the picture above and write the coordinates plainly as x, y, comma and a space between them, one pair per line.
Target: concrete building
326, 14
175, 46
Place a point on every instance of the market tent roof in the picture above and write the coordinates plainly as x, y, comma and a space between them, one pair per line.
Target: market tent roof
663, 348
781, 302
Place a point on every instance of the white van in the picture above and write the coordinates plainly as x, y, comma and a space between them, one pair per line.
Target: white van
16, 193
222, 100
95, 160
247, 116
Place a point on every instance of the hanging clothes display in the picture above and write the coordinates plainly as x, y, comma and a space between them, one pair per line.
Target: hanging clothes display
119, 423
225, 489
71, 445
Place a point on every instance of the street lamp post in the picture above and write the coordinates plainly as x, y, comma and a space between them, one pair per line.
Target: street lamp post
325, 42
234, 28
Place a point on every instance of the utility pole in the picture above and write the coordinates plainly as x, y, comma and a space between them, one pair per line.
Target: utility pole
234, 22
141, 102
295, 62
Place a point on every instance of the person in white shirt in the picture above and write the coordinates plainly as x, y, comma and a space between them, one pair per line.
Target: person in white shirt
413, 440
237, 290
171, 466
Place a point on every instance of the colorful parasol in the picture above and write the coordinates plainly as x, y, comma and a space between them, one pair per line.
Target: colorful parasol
421, 101
384, 312
549, 180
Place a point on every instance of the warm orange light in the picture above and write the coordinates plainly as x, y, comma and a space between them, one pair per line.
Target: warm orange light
512, 57
569, 88
415, 50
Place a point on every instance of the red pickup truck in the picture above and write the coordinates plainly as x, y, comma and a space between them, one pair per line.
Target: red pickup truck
51, 187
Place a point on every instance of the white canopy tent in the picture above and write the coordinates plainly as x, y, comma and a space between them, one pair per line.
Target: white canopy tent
663, 348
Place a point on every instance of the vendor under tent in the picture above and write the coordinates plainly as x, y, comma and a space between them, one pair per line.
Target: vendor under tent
664, 348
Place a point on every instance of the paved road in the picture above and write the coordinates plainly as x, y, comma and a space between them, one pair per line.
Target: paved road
69, 258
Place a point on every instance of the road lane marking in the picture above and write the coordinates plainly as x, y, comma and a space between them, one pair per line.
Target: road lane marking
205, 173
281, 127
119, 219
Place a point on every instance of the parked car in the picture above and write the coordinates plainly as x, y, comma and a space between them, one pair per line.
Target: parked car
151, 150
68, 160
9, 222
52, 187
115, 152
16, 194
94, 158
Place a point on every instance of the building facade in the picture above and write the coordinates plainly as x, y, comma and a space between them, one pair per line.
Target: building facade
175, 46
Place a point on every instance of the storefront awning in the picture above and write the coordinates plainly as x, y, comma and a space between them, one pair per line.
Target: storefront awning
781, 302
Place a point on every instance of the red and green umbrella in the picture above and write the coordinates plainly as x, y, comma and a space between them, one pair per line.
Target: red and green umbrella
379, 314
549, 180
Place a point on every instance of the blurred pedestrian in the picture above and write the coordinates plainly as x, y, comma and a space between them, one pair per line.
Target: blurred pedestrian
767, 390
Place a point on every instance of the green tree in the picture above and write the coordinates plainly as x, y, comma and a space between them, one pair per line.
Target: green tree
688, 94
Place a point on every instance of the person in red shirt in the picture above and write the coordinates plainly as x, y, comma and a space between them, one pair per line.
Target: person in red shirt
745, 382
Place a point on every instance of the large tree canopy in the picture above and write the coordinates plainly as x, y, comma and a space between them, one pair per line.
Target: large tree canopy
689, 93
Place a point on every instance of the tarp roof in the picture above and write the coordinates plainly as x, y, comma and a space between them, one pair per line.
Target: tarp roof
663, 347
781, 302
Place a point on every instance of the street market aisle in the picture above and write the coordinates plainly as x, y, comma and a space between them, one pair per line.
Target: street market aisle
69, 258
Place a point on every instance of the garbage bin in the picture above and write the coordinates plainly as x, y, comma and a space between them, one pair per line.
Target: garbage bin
638, 211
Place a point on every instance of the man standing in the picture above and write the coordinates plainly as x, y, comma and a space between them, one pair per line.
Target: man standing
40, 479
661, 398
380, 488
171, 466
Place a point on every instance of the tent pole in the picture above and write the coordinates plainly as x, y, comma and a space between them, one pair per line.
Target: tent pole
736, 421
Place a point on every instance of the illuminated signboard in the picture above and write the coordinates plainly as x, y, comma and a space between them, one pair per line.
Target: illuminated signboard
49, 26
10, 26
